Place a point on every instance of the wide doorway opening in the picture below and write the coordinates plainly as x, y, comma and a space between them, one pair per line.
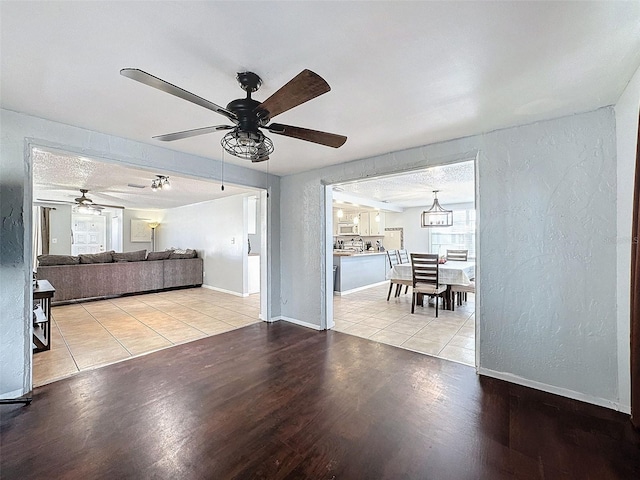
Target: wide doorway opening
376, 225
140, 260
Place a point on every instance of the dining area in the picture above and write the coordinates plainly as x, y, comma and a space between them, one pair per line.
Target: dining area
448, 279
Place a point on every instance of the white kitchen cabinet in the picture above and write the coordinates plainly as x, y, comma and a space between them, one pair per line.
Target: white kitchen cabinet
376, 227
363, 224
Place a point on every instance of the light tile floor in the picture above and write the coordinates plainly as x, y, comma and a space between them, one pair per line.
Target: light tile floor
368, 314
88, 335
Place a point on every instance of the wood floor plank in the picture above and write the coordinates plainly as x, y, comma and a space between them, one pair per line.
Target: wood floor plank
280, 401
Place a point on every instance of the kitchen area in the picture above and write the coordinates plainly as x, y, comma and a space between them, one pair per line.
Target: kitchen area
359, 257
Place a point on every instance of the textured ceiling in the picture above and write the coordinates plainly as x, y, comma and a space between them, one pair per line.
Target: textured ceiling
59, 177
402, 74
455, 183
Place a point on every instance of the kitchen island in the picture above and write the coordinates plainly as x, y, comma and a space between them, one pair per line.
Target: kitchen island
358, 270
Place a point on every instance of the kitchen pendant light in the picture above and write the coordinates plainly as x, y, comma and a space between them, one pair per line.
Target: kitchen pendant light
436, 216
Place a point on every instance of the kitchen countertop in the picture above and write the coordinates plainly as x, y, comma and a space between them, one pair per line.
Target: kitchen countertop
348, 253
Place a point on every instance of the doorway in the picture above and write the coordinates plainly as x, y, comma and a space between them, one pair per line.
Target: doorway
367, 313
160, 319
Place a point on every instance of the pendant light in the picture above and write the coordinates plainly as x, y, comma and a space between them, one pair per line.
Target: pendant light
436, 216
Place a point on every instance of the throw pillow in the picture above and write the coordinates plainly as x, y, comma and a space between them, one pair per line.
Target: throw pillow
104, 257
48, 260
159, 255
137, 256
188, 253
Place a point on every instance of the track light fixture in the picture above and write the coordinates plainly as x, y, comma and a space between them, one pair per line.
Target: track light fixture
162, 182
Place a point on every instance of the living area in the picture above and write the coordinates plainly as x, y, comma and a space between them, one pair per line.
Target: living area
138, 266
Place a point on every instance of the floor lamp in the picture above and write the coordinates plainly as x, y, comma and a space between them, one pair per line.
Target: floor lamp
153, 226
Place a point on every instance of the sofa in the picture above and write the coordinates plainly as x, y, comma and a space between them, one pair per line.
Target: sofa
109, 274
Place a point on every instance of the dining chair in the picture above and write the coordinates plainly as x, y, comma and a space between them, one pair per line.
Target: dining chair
403, 257
459, 292
457, 255
424, 268
392, 256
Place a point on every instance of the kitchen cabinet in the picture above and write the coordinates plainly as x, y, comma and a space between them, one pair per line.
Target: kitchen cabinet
368, 226
376, 227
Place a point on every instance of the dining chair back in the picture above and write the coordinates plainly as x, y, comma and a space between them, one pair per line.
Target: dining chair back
457, 255
392, 256
426, 278
403, 256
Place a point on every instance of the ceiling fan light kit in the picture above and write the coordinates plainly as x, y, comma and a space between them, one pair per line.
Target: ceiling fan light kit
248, 115
436, 216
162, 182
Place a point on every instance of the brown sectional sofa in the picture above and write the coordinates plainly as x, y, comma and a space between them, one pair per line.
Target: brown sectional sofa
96, 280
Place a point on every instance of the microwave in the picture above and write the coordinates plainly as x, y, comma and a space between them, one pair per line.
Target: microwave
347, 229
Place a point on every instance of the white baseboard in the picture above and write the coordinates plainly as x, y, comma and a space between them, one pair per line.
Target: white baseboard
11, 395
563, 392
359, 289
222, 290
298, 322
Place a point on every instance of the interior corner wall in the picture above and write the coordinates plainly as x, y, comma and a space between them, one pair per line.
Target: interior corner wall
546, 239
626, 111
215, 230
18, 134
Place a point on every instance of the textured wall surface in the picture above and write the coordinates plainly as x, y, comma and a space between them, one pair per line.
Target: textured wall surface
20, 131
547, 256
626, 140
548, 271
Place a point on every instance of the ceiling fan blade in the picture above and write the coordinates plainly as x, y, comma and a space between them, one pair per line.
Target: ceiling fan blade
169, 137
300, 89
155, 82
315, 136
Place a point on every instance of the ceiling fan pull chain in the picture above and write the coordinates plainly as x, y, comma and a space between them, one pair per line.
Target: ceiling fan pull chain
222, 174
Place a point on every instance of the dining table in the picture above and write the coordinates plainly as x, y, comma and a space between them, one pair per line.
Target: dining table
449, 273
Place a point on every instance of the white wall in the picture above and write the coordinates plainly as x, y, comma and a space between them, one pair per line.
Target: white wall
547, 298
60, 230
216, 230
19, 133
147, 215
626, 111
416, 238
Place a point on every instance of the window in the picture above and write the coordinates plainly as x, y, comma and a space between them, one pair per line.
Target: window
460, 236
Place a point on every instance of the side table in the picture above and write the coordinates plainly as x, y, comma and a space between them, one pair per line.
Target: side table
42, 295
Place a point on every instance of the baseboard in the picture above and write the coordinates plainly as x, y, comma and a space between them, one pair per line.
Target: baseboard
563, 392
359, 289
298, 322
14, 394
222, 290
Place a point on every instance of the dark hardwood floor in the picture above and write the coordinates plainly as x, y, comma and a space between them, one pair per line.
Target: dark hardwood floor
281, 401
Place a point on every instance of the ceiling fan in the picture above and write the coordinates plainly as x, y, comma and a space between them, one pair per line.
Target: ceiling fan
82, 203
245, 140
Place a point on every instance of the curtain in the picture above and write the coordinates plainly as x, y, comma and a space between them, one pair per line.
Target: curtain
635, 295
45, 229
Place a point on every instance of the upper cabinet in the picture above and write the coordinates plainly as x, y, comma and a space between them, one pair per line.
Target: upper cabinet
369, 223
376, 223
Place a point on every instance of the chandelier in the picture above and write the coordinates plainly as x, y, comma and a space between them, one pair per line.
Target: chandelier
250, 145
436, 216
162, 182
